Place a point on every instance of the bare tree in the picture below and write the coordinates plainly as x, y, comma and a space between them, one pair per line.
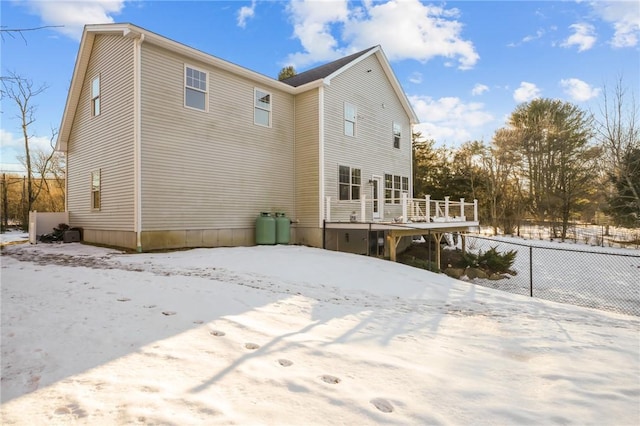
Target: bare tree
618, 133
48, 167
503, 190
22, 91
12, 32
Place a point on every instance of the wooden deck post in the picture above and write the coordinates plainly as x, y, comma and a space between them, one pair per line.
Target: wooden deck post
392, 246
438, 238
393, 240
462, 209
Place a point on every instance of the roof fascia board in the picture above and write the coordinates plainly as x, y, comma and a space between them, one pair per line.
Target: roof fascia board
350, 64
79, 70
206, 58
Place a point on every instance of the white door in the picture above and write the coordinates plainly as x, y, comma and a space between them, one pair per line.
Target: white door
378, 200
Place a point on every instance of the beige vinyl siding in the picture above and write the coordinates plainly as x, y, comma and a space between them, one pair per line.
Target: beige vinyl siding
371, 150
104, 142
215, 169
306, 159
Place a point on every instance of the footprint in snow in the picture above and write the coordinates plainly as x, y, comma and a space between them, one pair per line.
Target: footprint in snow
218, 333
332, 380
382, 405
285, 362
168, 313
251, 346
123, 299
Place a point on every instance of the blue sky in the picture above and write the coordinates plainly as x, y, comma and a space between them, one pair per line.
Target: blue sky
465, 65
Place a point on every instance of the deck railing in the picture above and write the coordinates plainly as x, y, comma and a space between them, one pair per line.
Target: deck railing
401, 210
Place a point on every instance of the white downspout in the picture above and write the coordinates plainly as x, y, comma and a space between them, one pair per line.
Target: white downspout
137, 136
321, 153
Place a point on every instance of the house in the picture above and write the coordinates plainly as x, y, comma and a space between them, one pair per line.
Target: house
169, 147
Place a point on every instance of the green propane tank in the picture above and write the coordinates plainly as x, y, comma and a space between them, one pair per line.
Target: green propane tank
283, 228
265, 229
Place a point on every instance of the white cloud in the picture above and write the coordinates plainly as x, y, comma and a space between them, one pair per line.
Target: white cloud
7, 140
526, 39
479, 89
73, 15
312, 21
526, 92
12, 147
449, 119
416, 77
406, 29
11, 141
245, 13
583, 37
625, 17
578, 90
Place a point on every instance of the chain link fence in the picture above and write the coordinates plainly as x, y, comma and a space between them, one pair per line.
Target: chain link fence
594, 277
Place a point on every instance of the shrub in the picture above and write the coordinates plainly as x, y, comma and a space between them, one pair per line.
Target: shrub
491, 260
420, 263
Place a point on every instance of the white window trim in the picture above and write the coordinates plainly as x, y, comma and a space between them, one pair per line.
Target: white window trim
355, 119
96, 97
255, 106
99, 190
184, 88
351, 184
393, 189
393, 131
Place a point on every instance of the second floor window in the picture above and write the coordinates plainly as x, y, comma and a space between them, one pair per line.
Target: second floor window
95, 96
349, 182
195, 88
349, 119
262, 108
397, 134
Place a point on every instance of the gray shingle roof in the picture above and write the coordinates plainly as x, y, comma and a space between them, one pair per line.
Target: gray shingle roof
323, 70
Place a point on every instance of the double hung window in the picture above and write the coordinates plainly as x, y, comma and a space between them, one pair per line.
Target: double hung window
397, 134
350, 114
262, 108
95, 96
195, 88
349, 183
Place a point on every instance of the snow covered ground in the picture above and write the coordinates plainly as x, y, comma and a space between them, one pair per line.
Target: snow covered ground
290, 335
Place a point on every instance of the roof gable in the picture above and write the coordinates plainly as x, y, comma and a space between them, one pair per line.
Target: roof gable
323, 71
